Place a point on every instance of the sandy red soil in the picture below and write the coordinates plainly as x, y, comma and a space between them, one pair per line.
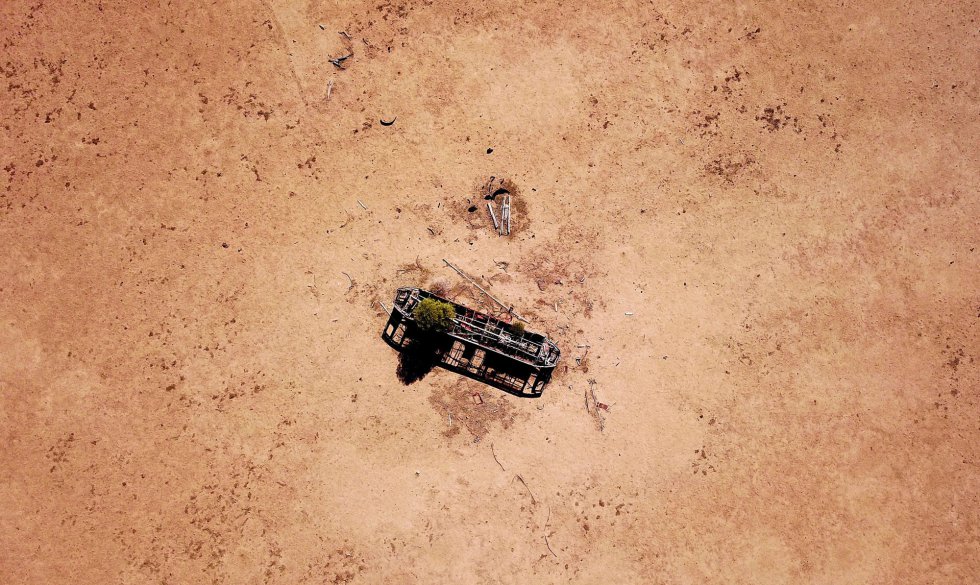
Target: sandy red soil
784, 196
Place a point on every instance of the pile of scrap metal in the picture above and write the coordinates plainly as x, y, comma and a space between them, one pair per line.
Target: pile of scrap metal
502, 225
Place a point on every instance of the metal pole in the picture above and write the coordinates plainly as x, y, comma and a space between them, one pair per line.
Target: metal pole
473, 282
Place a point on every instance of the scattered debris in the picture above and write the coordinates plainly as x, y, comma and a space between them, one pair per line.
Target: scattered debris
533, 499
384, 307
329, 88
579, 361
549, 546
361, 204
351, 285
314, 290
495, 457
510, 309
499, 188
385, 123
477, 398
598, 406
339, 61
502, 227
347, 221
547, 523
344, 34
416, 267
629, 313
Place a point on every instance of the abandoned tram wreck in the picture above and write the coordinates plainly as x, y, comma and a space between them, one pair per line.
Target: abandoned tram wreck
478, 346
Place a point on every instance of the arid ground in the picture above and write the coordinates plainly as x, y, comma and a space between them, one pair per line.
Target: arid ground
751, 227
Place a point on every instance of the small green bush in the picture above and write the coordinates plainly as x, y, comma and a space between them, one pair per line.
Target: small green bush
433, 315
